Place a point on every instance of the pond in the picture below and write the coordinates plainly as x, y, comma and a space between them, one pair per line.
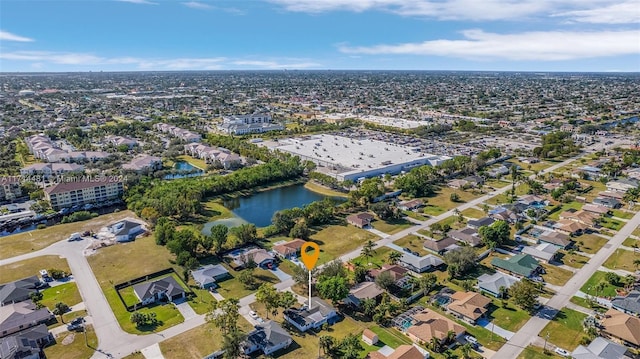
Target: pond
260, 207
184, 169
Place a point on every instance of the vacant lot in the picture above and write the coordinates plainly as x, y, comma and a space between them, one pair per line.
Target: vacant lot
622, 259
532, 352
565, 330
337, 240
442, 199
233, 288
590, 287
66, 293
34, 240
590, 243
630, 242
565, 207
75, 348
391, 226
473, 213
380, 257
510, 317
556, 275
412, 242
30, 267
574, 260
622, 214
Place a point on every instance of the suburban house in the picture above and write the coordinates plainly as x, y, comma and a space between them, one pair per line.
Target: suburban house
532, 200
608, 202
580, 216
420, 264
477, 223
288, 250
468, 306
268, 337
120, 140
520, 265
362, 291
410, 205
457, 183
360, 220
396, 272
19, 290
440, 246
143, 163
125, 231
467, 235
503, 214
259, 256
20, 316
428, 324
165, 288
596, 208
601, 348
622, 327
622, 185
402, 352
26, 344
474, 181
307, 318
556, 238
207, 276
629, 304
495, 283
570, 227
545, 252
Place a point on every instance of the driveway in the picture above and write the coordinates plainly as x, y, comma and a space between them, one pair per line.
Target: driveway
185, 309
282, 276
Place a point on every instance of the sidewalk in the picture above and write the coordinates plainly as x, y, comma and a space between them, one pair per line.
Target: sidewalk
377, 232
495, 329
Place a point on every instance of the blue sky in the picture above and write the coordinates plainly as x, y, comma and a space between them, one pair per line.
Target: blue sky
132, 35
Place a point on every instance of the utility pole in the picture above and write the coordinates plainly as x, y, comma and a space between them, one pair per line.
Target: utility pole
546, 337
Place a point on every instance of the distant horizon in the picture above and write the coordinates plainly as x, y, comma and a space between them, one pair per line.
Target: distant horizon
390, 35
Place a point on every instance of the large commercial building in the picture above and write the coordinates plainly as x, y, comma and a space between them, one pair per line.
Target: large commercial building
350, 159
81, 192
245, 124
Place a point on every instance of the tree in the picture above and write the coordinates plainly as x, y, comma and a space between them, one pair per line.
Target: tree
334, 288
460, 260
335, 268
636, 263
137, 318
467, 285
394, 257
231, 344
524, 294
367, 250
300, 230
286, 300
327, 344
466, 351
246, 233
247, 278
384, 280
612, 278
224, 315
495, 234
368, 306
383, 210
454, 197
426, 282
268, 296
359, 273
219, 234
350, 347
59, 309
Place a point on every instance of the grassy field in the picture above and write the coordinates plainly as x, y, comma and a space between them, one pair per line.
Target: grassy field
622, 259
415, 215
612, 224
511, 317
392, 226
590, 286
136, 355
442, 199
636, 232
574, 260
76, 348
565, 207
629, 242
622, 214
30, 267
532, 352
473, 213
495, 183
521, 189
556, 275
337, 240
565, 330
532, 166
196, 162
311, 186
34, 240
591, 243
233, 288
413, 242
380, 258
66, 293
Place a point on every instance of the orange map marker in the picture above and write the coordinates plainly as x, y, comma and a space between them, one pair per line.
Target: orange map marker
309, 259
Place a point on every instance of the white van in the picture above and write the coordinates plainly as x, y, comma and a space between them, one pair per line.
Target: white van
74, 237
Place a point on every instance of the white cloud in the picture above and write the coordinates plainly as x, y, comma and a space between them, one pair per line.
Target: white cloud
197, 5
7, 36
273, 65
141, 2
620, 13
528, 46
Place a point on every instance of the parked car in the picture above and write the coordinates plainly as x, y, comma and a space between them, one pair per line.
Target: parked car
253, 314
562, 352
473, 341
74, 237
407, 249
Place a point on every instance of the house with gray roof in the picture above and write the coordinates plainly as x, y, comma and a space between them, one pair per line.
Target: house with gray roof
629, 304
165, 288
19, 290
125, 231
492, 283
545, 252
420, 264
268, 337
307, 318
601, 348
362, 291
19, 316
26, 344
207, 276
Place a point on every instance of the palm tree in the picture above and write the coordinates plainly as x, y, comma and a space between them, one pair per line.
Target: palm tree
434, 343
326, 343
466, 351
426, 282
451, 336
367, 250
394, 257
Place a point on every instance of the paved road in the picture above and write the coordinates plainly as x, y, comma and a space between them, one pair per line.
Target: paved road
530, 330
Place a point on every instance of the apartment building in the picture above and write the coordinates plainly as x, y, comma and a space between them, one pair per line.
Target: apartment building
245, 124
69, 194
9, 188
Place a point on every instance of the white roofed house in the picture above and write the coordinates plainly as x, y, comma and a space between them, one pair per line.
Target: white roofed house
50, 169
495, 283
143, 163
125, 231
420, 264
622, 185
307, 318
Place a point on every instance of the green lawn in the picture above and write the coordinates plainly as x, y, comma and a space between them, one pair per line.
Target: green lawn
233, 288
75, 348
442, 199
67, 317
556, 275
532, 166
622, 259
214, 210
413, 242
521, 190
29, 267
66, 293
496, 183
574, 260
591, 243
432, 210
311, 186
129, 296
391, 226
414, 215
629, 242
473, 213
612, 224
532, 352
622, 214
636, 232
337, 240
26, 242
565, 330
590, 286
511, 317
380, 258
565, 207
